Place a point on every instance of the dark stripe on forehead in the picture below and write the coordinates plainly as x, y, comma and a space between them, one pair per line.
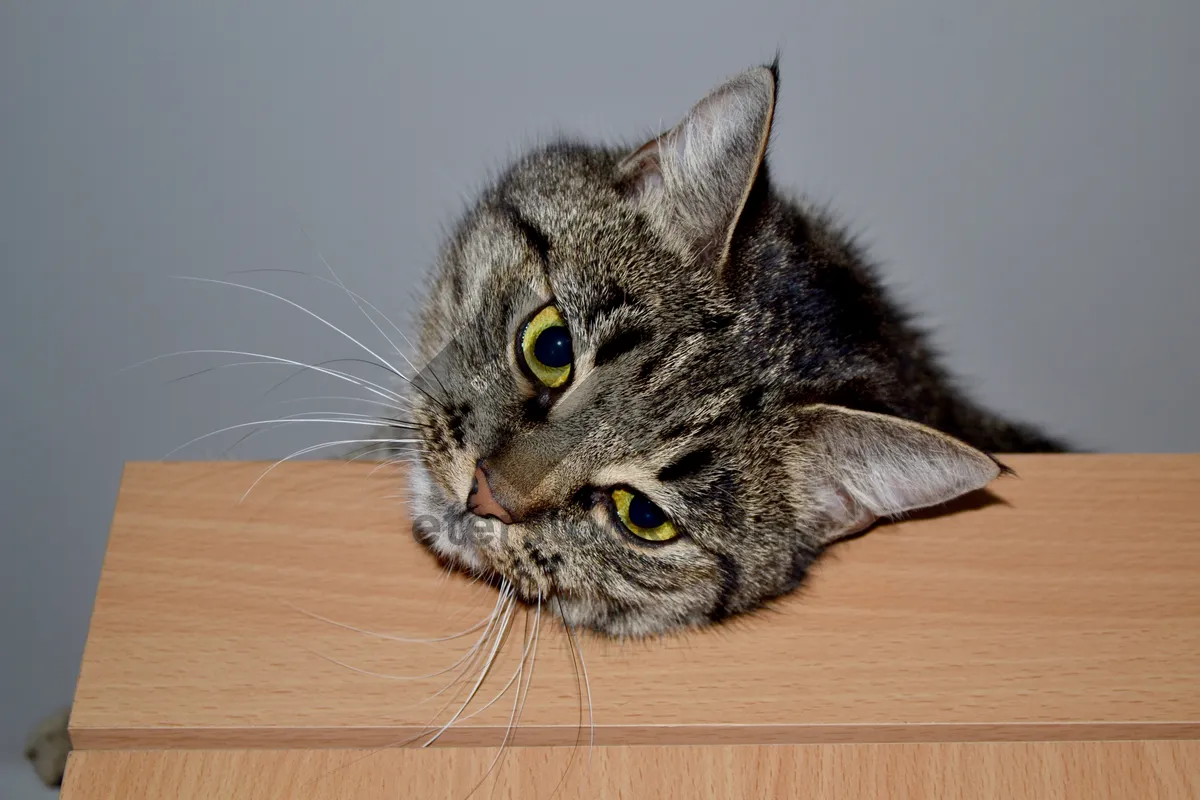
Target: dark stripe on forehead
620, 343
648, 367
533, 236
609, 298
686, 465
727, 573
606, 300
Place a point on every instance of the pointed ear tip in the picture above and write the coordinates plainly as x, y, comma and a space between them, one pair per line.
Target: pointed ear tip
990, 470
765, 77
767, 74
1004, 470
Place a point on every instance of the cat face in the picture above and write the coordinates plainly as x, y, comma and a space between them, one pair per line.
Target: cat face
611, 413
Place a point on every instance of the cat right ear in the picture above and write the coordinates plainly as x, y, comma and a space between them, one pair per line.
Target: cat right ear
693, 180
862, 466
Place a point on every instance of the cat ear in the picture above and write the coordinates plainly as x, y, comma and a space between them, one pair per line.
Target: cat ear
870, 465
694, 179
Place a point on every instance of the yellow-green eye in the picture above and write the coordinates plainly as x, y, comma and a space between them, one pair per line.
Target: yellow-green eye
546, 347
641, 517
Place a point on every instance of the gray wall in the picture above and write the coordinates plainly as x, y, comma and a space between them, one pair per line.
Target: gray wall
1027, 174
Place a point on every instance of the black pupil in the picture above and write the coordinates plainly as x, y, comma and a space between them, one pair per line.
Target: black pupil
644, 514
553, 347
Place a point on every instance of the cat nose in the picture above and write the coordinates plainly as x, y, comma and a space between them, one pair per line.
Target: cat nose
481, 502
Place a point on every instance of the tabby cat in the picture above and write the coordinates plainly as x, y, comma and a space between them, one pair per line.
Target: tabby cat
657, 388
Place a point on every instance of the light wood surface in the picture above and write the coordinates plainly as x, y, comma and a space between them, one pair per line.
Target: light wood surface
1066, 608
981, 771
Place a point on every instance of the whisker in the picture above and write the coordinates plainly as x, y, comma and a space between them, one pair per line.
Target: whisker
396, 404
505, 600
480, 643
307, 367
392, 462
391, 637
587, 686
353, 294
390, 677
504, 589
389, 366
513, 715
358, 301
579, 690
371, 451
346, 398
530, 642
273, 423
370, 386
376, 419
294, 304
483, 673
314, 448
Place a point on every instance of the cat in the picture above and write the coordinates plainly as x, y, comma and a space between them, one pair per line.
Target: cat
660, 388
655, 388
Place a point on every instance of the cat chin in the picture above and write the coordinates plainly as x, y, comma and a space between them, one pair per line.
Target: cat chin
598, 616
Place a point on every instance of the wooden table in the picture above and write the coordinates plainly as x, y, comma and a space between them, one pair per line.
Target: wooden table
1041, 641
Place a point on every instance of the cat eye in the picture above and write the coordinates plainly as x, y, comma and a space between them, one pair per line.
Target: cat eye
641, 517
545, 348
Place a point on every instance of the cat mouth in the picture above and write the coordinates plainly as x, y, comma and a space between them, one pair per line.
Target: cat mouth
473, 545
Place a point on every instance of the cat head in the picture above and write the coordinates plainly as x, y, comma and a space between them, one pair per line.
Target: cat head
611, 407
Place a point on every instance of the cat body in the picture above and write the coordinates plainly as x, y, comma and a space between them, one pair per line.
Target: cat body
660, 387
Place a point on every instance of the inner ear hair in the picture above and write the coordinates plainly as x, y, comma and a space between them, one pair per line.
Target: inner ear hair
873, 465
694, 180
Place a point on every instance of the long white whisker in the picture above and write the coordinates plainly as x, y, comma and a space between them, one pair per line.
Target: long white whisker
396, 404
492, 619
374, 418
370, 386
314, 448
489, 621
532, 642
587, 686
393, 638
390, 677
358, 301
346, 398
503, 601
537, 635
354, 295
504, 589
514, 719
273, 423
372, 451
483, 673
294, 304
392, 462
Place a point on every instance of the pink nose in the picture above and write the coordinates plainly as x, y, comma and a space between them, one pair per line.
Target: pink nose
480, 501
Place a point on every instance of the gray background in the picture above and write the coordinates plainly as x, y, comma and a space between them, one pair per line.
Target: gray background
1026, 173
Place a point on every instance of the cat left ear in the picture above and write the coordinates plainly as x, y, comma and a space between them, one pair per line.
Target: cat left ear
694, 179
863, 466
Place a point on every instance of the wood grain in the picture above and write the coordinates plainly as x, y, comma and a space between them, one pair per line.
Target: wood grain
980, 771
1066, 607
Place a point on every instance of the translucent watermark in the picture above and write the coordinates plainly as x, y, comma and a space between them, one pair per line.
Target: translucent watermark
467, 531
